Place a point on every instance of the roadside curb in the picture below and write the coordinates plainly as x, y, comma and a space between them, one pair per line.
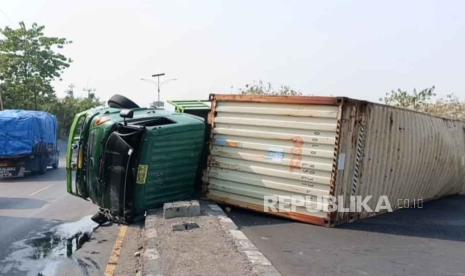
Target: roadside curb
151, 257
151, 265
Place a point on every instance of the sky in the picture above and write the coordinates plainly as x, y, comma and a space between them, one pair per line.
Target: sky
359, 49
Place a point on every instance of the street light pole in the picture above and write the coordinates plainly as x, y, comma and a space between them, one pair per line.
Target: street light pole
158, 85
158, 89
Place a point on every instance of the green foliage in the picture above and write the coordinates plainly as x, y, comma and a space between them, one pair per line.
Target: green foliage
261, 89
29, 62
67, 107
423, 101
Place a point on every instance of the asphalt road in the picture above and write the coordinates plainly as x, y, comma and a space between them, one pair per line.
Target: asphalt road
36, 233
428, 241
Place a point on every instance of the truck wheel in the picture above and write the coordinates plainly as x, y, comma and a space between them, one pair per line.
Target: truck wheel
43, 166
118, 101
55, 164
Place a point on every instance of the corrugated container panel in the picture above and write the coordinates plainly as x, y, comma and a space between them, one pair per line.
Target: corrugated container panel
272, 148
409, 155
263, 145
402, 154
294, 110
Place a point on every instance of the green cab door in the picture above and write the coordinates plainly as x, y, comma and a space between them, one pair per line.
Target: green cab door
75, 158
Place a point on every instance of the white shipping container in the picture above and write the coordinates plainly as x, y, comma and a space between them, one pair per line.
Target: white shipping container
298, 153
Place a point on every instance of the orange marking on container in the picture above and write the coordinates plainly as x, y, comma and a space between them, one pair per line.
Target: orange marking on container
233, 144
296, 160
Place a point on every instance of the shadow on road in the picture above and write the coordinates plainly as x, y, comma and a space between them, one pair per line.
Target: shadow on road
247, 218
50, 175
20, 203
439, 219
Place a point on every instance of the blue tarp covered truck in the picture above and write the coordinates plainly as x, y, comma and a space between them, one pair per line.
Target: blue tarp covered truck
28, 142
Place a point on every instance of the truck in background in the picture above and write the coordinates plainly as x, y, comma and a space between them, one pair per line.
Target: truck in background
28, 142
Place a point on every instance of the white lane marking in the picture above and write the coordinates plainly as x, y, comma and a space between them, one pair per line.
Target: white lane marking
40, 190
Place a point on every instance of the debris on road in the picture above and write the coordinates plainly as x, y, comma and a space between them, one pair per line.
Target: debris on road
181, 209
84, 226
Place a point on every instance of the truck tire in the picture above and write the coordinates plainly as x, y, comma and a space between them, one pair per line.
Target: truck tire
118, 101
55, 164
43, 166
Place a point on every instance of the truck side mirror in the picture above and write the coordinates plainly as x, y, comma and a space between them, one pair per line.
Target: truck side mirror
126, 113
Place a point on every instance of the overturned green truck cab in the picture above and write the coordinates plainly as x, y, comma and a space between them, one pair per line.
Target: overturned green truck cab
130, 160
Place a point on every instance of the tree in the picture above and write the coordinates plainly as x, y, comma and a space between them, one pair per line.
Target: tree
29, 62
449, 107
415, 100
66, 108
424, 101
261, 89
